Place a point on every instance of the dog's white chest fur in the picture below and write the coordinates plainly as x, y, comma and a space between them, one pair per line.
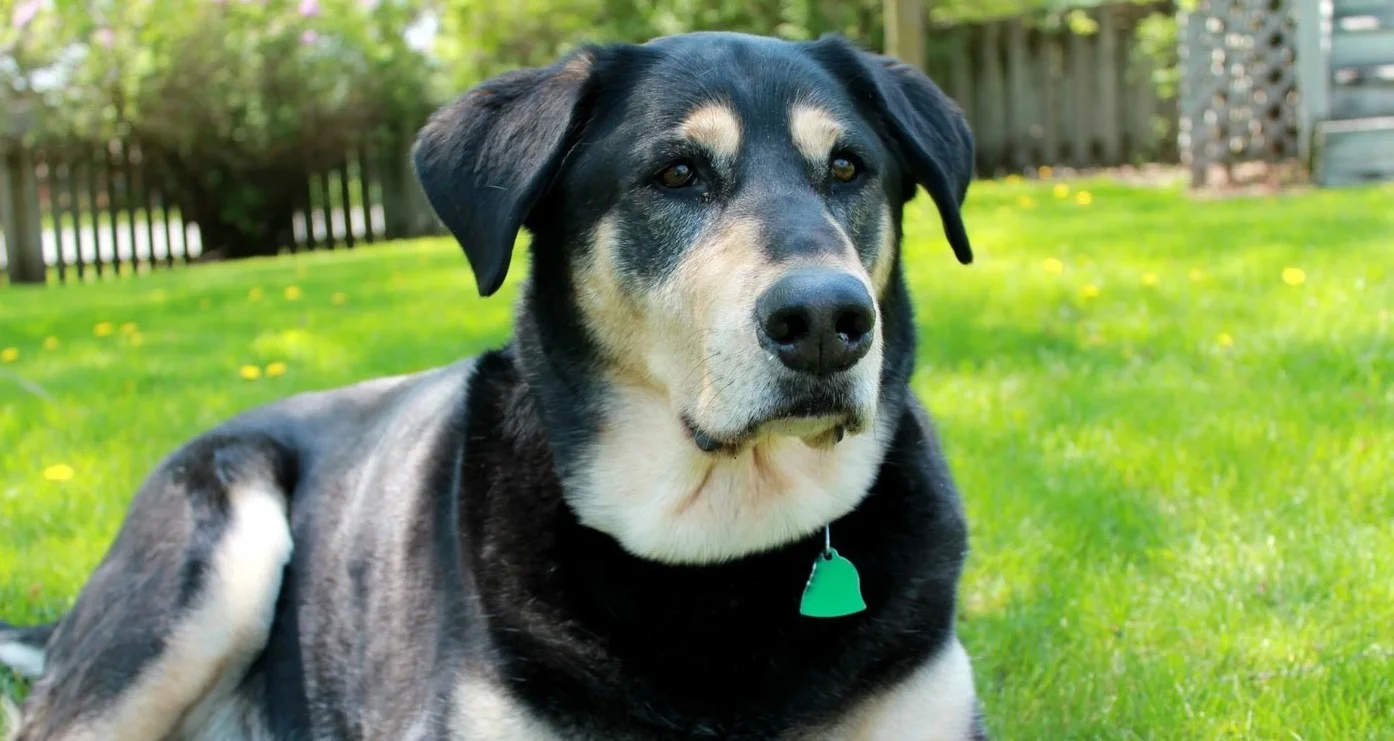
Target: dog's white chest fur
936, 703
648, 486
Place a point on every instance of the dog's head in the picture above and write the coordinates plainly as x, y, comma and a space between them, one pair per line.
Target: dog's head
716, 219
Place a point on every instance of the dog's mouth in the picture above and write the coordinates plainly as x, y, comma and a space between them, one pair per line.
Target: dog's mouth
818, 425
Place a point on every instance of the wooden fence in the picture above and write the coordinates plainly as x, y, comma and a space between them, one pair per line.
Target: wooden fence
88, 214
1038, 93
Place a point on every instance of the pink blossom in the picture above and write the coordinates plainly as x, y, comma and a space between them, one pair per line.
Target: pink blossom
105, 36
309, 37
309, 8
24, 12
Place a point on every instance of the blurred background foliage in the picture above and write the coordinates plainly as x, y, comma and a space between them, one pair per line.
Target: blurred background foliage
480, 38
278, 76
228, 99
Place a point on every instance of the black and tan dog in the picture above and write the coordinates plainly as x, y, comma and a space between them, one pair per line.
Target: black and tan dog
602, 531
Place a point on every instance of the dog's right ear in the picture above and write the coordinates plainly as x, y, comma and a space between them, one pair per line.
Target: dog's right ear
485, 160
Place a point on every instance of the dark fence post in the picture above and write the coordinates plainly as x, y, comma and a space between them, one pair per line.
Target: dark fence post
1108, 63
346, 202
94, 208
365, 189
1083, 72
113, 203
307, 207
326, 206
396, 176
1022, 112
19, 210
74, 191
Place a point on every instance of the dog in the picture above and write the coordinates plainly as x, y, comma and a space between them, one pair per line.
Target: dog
610, 528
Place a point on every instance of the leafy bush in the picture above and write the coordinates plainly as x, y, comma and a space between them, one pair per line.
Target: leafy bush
229, 101
480, 38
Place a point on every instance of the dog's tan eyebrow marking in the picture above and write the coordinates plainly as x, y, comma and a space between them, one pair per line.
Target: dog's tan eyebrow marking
715, 127
815, 131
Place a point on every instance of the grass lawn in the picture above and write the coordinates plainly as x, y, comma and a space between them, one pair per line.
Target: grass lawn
1172, 422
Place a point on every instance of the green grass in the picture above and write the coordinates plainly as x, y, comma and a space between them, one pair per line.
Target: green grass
1178, 467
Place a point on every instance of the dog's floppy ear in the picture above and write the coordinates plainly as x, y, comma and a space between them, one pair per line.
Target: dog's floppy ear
485, 160
927, 126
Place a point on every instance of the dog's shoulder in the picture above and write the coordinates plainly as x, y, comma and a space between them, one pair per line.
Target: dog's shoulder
378, 561
311, 419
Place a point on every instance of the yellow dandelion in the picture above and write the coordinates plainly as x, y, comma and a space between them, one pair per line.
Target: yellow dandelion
1225, 340
1052, 265
1294, 276
1149, 279
1196, 274
129, 328
1013, 179
103, 329
250, 372
1026, 202
9, 355
338, 299
1062, 190
50, 343
58, 472
1084, 198
255, 294
1090, 291
1045, 172
275, 369
293, 293
137, 339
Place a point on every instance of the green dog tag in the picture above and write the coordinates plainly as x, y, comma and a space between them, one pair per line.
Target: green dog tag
834, 588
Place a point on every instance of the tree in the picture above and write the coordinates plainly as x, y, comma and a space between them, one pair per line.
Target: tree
230, 101
480, 38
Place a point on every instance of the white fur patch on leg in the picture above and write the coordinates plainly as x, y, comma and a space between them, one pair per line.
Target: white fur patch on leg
484, 711
936, 703
210, 649
27, 661
9, 716
232, 716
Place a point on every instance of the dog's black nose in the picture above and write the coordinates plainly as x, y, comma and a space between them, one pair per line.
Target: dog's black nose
817, 321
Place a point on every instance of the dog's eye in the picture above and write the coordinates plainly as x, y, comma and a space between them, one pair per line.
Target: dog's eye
677, 175
843, 167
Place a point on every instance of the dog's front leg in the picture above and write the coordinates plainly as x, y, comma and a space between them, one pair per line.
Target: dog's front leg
182, 603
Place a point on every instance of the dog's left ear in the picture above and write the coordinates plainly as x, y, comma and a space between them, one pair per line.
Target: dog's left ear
485, 160
927, 126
